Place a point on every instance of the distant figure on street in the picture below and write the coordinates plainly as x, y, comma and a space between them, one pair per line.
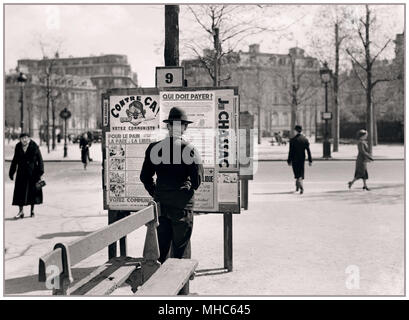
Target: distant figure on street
29, 164
362, 159
296, 157
85, 144
179, 172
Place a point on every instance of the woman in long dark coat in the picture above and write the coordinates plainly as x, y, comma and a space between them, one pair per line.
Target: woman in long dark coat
361, 171
28, 162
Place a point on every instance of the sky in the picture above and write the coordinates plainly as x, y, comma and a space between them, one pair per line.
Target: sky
134, 30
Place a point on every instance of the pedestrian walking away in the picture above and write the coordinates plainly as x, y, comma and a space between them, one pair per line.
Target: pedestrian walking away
28, 163
296, 157
361, 170
85, 144
179, 172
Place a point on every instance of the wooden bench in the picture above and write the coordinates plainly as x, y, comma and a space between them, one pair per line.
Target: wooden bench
145, 275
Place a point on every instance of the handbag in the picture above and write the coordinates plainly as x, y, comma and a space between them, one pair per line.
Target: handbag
40, 184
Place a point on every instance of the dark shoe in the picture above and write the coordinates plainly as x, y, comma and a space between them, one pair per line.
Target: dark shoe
366, 188
32, 215
19, 215
302, 191
349, 184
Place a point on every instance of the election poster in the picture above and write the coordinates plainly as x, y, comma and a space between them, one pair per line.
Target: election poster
227, 125
130, 123
200, 108
206, 195
227, 184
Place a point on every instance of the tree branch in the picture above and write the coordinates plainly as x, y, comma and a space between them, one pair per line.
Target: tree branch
380, 51
355, 61
357, 75
200, 22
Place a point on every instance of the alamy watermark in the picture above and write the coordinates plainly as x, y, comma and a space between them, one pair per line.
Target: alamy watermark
353, 277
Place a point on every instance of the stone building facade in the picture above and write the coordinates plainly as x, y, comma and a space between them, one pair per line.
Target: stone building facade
265, 82
75, 83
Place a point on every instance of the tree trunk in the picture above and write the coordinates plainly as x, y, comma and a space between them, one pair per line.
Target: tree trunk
259, 124
216, 64
293, 98
30, 119
369, 110
375, 127
171, 35
293, 116
48, 116
53, 123
335, 126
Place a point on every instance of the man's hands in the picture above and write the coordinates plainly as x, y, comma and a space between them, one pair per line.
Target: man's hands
186, 186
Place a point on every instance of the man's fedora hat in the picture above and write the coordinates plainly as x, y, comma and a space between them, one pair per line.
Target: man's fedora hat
177, 114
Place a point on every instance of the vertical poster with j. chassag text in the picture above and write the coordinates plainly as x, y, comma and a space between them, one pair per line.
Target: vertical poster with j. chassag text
131, 123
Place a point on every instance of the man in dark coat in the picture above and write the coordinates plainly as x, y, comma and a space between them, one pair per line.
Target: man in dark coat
28, 162
179, 172
85, 144
296, 157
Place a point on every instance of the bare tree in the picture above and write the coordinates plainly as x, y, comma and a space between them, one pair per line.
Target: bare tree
363, 62
254, 94
300, 87
329, 49
228, 26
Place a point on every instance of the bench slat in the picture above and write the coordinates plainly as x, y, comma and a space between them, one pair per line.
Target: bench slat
53, 258
108, 277
169, 279
98, 240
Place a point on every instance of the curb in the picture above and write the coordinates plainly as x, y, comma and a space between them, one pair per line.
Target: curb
332, 159
56, 160
259, 160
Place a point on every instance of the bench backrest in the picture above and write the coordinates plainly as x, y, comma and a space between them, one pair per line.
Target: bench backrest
66, 255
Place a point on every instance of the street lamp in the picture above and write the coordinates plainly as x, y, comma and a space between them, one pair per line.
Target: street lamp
65, 114
326, 75
22, 78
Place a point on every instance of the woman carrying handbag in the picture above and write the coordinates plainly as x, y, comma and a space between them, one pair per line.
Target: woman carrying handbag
361, 171
28, 163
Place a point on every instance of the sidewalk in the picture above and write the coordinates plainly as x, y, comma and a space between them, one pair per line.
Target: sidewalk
266, 152
73, 151
263, 152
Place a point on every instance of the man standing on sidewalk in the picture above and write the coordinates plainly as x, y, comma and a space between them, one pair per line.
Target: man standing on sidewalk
179, 172
296, 157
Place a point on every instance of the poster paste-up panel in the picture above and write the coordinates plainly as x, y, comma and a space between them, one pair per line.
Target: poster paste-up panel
206, 195
227, 125
133, 125
200, 108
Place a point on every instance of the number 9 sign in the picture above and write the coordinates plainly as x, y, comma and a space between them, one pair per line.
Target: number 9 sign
169, 77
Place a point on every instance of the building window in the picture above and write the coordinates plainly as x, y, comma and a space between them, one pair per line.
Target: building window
274, 119
286, 119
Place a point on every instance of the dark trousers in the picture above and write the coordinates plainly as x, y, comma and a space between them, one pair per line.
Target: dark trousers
175, 228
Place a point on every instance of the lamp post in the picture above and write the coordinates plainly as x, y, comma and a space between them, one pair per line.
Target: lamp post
65, 114
21, 79
326, 75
